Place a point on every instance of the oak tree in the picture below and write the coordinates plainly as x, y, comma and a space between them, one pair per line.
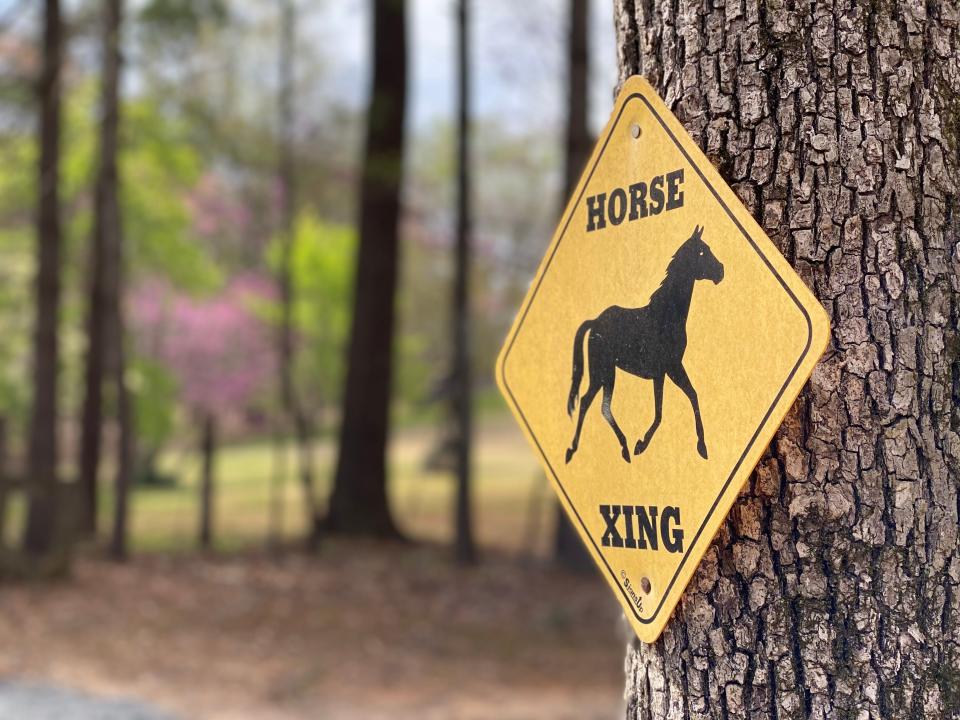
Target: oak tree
833, 591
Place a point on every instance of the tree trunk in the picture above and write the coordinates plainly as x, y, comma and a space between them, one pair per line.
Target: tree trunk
4, 483
294, 414
104, 225
359, 503
42, 520
108, 236
126, 449
91, 421
208, 449
461, 400
834, 589
568, 549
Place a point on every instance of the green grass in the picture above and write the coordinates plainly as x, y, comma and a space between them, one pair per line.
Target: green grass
513, 507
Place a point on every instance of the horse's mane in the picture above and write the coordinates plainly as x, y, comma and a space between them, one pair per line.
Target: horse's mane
675, 265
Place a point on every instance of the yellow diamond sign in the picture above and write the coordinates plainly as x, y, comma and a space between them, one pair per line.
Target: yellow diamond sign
658, 349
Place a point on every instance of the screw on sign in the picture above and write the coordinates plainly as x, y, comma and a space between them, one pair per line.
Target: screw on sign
660, 295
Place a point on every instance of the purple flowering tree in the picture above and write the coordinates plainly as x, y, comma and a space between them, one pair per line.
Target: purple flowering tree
217, 349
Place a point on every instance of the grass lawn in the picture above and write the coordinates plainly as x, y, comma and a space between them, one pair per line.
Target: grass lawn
513, 503
359, 631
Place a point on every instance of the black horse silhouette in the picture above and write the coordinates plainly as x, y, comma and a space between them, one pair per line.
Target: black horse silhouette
648, 342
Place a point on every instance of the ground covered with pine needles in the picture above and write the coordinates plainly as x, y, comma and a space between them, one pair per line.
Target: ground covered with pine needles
359, 631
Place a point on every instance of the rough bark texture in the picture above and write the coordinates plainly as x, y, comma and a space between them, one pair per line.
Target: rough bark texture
40, 535
834, 589
359, 502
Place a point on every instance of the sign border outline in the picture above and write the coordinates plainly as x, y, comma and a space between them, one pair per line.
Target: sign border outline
529, 302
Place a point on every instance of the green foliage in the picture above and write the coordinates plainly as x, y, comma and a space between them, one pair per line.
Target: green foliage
154, 390
322, 265
183, 16
158, 167
16, 275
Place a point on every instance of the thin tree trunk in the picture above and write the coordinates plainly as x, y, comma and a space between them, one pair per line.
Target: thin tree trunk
42, 520
208, 451
295, 417
568, 549
91, 424
108, 233
304, 430
4, 483
126, 448
461, 394
577, 142
278, 474
834, 589
91, 421
359, 503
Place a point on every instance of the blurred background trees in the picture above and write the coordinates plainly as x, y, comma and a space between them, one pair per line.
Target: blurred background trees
359, 503
43, 535
223, 263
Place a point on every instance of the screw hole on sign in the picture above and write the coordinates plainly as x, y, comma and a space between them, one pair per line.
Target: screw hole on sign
645, 585
635, 130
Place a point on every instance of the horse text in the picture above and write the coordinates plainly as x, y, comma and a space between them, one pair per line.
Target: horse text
637, 201
640, 527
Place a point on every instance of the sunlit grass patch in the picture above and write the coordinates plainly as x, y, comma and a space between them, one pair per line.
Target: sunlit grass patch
513, 506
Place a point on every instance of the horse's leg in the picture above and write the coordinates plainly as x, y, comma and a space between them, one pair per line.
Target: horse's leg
679, 377
585, 401
657, 412
608, 415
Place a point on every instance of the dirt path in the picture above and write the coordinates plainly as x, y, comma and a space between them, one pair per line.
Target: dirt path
361, 631
42, 702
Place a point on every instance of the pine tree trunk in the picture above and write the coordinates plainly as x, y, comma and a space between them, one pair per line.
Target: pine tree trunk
461, 390
41, 530
4, 482
568, 548
359, 502
91, 420
106, 224
208, 450
834, 589
295, 415
109, 237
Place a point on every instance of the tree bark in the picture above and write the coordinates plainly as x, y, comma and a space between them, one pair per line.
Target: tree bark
91, 420
106, 222
126, 431
461, 392
568, 549
359, 503
833, 591
108, 242
42, 519
208, 449
4, 482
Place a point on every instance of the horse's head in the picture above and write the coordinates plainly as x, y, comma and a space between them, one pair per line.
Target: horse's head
696, 258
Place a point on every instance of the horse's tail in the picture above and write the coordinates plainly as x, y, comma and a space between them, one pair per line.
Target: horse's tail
577, 365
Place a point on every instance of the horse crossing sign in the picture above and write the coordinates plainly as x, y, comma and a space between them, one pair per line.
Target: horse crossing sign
661, 298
